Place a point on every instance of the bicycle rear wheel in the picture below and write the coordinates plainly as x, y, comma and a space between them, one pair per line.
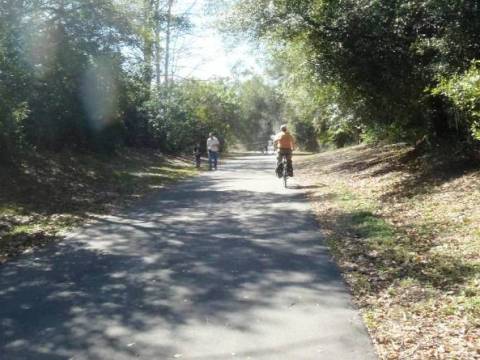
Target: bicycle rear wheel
285, 173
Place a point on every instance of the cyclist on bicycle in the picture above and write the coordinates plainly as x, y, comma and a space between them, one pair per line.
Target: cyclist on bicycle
285, 144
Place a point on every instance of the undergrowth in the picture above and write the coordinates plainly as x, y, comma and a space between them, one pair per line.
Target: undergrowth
406, 235
45, 194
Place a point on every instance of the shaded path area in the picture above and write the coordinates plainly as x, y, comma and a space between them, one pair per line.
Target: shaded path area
228, 265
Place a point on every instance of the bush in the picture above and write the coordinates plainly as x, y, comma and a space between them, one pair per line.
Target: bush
463, 90
306, 135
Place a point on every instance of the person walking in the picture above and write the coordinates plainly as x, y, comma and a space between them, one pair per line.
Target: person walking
213, 147
197, 153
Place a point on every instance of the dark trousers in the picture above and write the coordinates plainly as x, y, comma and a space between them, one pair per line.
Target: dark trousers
212, 159
288, 154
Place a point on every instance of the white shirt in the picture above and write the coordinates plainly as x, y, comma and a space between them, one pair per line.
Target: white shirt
213, 144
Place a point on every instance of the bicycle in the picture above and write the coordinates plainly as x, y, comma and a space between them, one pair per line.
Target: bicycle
285, 171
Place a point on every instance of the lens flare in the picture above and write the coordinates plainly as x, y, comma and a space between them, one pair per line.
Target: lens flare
99, 93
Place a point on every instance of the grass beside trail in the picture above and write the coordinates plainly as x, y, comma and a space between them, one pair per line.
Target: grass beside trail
406, 233
47, 194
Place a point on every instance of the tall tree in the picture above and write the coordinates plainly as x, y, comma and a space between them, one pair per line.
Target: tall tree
382, 57
148, 39
168, 40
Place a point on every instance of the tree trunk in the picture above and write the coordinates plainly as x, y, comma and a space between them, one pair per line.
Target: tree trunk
167, 42
148, 42
158, 58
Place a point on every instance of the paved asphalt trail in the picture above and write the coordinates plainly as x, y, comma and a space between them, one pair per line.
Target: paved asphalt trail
228, 265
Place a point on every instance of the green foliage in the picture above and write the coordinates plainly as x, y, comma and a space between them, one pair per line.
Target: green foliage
70, 79
260, 110
13, 86
305, 135
463, 90
380, 57
342, 72
61, 70
183, 115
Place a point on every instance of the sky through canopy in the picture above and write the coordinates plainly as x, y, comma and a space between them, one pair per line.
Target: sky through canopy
205, 53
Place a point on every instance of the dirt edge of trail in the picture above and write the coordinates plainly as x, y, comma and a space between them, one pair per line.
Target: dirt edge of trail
406, 234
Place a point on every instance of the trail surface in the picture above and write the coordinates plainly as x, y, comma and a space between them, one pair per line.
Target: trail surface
228, 265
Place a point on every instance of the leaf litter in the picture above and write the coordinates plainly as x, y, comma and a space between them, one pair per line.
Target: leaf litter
406, 233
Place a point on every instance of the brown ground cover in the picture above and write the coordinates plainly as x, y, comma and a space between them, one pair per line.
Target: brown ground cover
46, 194
405, 230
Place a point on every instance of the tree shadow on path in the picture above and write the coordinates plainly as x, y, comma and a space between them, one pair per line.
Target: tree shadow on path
128, 284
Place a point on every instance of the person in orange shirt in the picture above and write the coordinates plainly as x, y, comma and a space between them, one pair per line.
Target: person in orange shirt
285, 144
